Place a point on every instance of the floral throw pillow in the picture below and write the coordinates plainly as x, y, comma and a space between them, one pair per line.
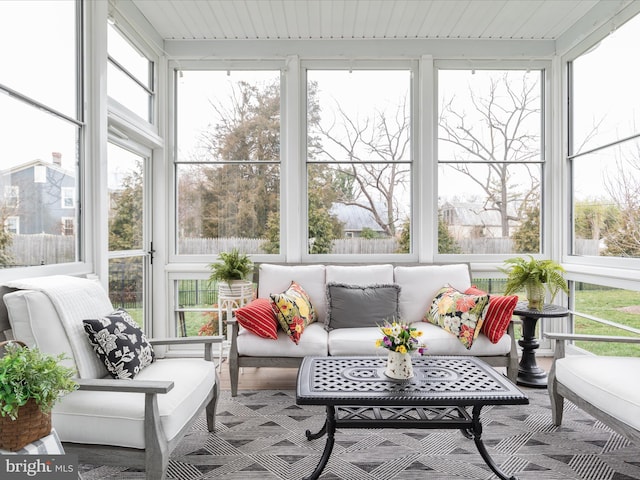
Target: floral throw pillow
119, 343
458, 313
293, 310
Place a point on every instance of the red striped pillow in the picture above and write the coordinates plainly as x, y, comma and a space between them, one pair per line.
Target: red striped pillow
498, 315
258, 318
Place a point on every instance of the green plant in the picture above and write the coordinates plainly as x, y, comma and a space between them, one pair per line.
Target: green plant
535, 276
27, 373
232, 266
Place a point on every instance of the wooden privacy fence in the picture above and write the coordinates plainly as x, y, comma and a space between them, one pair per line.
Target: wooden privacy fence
42, 249
45, 249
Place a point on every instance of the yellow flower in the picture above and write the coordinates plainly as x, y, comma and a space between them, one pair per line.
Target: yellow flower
401, 349
416, 333
379, 342
386, 331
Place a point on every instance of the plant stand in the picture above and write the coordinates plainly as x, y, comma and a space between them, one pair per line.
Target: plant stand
231, 298
529, 374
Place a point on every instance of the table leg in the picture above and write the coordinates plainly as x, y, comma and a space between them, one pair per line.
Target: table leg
330, 428
476, 431
529, 374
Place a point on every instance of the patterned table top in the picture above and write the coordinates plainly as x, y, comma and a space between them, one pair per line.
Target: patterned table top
441, 381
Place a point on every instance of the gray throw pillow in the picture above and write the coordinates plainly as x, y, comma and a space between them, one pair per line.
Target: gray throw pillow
350, 306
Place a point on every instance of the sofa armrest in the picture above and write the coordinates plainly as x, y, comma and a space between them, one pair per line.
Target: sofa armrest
561, 337
206, 340
128, 386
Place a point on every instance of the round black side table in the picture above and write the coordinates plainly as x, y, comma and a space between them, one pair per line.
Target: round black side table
529, 374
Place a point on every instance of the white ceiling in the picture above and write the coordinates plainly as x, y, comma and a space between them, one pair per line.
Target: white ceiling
371, 19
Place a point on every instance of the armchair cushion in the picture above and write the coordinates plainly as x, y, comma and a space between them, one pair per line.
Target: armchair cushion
119, 343
116, 418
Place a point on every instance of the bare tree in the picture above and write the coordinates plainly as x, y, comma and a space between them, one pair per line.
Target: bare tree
375, 149
486, 150
623, 240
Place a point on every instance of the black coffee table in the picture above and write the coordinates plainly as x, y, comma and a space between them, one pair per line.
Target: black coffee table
357, 394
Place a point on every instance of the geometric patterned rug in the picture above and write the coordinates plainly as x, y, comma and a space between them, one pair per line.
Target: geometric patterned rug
260, 435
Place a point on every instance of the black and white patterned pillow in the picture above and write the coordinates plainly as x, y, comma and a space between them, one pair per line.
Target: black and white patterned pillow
119, 343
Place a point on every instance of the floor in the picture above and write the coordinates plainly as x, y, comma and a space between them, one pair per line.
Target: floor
265, 378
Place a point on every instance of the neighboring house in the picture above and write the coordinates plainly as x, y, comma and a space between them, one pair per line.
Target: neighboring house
355, 219
471, 220
39, 197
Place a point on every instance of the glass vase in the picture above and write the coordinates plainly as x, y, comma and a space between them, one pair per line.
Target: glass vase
535, 295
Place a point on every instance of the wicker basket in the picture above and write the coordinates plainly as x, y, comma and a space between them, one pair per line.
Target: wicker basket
30, 425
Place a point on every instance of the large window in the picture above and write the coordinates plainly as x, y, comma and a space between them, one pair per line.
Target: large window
130, 76
227, 167
605, 146
490, 161
359, 161
40, 131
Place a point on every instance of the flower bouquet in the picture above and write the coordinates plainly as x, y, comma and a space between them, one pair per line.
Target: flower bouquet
400, 337
401, 340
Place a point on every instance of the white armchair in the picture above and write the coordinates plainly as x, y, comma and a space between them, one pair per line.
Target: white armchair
131, 422
603, 386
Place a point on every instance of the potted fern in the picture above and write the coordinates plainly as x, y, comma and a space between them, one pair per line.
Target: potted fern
31, 382
536, 277
231, 273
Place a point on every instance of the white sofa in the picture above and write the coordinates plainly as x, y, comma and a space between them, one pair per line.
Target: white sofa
418, 286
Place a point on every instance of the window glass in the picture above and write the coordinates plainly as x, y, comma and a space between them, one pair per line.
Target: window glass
38, 51
197, 308
126, 286
359, 161
607, 311
606, 195
228, 161
605, 160
39, 173
126, 199
130, 76
490, 159
604, 90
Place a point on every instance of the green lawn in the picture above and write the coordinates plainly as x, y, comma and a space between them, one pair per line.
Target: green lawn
621, 306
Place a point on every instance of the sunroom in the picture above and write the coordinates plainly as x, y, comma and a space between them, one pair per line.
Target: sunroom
142, 138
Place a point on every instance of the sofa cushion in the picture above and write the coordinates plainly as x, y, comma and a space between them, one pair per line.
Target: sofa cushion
441, 342
277, 278
294, 310
350, 306
313, 342
606, 382
355, 341
420, 283
258, 317
458, 313
112, 418
360, 274
119, 343
498, 314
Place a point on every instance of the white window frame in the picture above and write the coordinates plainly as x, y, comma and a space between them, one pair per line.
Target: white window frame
225, 66
547, 200
67, 193
298, 211
12, 225
617, 272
